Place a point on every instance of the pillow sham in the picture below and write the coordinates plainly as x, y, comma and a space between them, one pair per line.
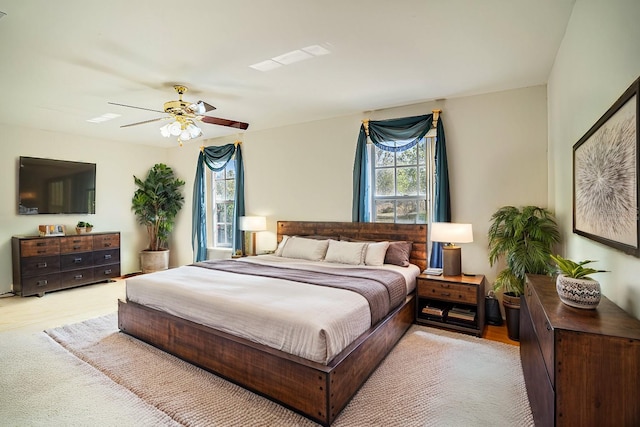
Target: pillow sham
301, 248
278, 251
346, 252
376, 253
398, 253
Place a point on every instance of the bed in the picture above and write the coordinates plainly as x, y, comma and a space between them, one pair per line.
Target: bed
315, 387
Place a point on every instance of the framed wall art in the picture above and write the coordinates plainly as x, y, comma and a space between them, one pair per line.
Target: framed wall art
605, 177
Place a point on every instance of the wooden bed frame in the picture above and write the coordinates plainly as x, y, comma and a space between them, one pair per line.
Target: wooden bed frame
317, 391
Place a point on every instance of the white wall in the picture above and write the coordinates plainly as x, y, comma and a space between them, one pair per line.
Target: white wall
599, 58
497, 152
116, 163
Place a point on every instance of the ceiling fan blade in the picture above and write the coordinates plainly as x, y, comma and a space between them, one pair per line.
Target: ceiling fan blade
225, 122
139, 108
142, 123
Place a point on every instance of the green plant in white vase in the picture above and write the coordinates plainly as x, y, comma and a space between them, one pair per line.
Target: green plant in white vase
573, 284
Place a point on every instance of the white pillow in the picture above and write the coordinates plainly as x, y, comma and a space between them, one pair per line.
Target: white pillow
280, 247
375, 253
301, 248
346, 252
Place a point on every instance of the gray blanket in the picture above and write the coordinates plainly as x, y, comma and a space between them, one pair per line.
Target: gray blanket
383, 289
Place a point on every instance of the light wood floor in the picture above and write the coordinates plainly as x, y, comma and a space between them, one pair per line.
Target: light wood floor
33, 314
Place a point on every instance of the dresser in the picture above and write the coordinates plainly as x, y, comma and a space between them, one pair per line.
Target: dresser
45, 264
451, 302
581, 367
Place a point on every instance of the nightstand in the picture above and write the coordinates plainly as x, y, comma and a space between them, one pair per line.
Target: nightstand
451, 302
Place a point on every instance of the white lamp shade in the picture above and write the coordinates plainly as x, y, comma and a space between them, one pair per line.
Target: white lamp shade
448, 232
253, 223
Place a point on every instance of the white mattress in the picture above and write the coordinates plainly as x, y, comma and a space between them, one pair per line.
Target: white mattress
310, 321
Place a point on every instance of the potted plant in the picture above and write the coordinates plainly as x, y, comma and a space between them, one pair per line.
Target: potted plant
156, 203
81, 227
524, 238
573, 284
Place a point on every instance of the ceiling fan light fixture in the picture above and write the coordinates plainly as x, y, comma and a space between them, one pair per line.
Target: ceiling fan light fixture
175, 128
198, 108
194, 131
164, 131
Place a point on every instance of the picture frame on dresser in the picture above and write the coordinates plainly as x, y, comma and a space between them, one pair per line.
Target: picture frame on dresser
605, 177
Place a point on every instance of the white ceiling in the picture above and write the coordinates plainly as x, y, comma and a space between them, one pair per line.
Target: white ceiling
63, 61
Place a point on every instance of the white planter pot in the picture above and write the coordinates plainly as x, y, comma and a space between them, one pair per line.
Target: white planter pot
578, 293
151, 261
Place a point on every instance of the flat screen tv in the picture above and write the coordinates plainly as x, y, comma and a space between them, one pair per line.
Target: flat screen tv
47, 186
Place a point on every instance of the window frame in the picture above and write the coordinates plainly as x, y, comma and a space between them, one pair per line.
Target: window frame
227, 201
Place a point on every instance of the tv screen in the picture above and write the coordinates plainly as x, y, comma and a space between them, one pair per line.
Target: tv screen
47, 186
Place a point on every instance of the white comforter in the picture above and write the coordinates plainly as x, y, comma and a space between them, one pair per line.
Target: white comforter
310, 321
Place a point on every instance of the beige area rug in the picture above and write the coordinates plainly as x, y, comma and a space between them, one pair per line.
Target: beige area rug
431, 378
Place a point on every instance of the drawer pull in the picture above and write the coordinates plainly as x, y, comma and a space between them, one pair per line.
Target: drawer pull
107, 244
42, 251
107, 271
108, 256
444, 285
445, 294
547, 325
77, 247
42, 282
41, 244
77, 241
42, 265
77, 260
78, 276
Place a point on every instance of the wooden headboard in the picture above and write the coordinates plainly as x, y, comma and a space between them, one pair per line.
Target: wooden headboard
376, 231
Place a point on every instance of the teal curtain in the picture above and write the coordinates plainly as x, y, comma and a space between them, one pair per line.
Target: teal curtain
442, 205
216, 159
398, 135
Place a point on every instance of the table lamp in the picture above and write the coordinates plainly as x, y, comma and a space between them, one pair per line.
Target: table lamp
451, 233
253, 224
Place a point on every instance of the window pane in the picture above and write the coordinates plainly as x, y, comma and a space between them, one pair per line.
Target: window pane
383, 158
384, 211
219, 190
220, 214
231, 189
408, 157
229, 235
384, 182
407, 181
218, 175
220, 235
422, 212
229, 208
422, 151
231, 170
407, 211
422, 180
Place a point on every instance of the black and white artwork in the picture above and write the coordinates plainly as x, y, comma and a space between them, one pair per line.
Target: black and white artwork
605, 167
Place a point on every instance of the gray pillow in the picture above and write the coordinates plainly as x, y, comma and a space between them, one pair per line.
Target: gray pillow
398, 253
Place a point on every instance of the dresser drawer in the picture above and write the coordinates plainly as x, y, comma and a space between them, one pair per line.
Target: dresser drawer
76, 261
77, 277
542, 329
105, 272
106, 257
76, 244
40, 284
104, 241
39, 247
446, 291
37, 266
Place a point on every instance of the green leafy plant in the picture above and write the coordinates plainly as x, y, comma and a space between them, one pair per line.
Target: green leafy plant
524, 237
81, 224
156, 203
576, 270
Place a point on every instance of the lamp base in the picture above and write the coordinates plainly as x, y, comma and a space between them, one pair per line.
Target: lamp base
451, 261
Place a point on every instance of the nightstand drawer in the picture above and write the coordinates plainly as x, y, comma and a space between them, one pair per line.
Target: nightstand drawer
39, 247
74, 244
446, 291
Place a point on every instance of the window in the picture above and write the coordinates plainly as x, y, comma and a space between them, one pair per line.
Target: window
224, 184
403, 183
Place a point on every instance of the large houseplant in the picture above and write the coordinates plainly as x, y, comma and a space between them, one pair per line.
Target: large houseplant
156, 203
524, 238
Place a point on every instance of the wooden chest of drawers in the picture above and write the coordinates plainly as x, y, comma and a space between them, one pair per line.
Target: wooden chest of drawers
581, 367
45, 264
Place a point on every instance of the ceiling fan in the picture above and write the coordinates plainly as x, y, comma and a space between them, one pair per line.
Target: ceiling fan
184, 115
